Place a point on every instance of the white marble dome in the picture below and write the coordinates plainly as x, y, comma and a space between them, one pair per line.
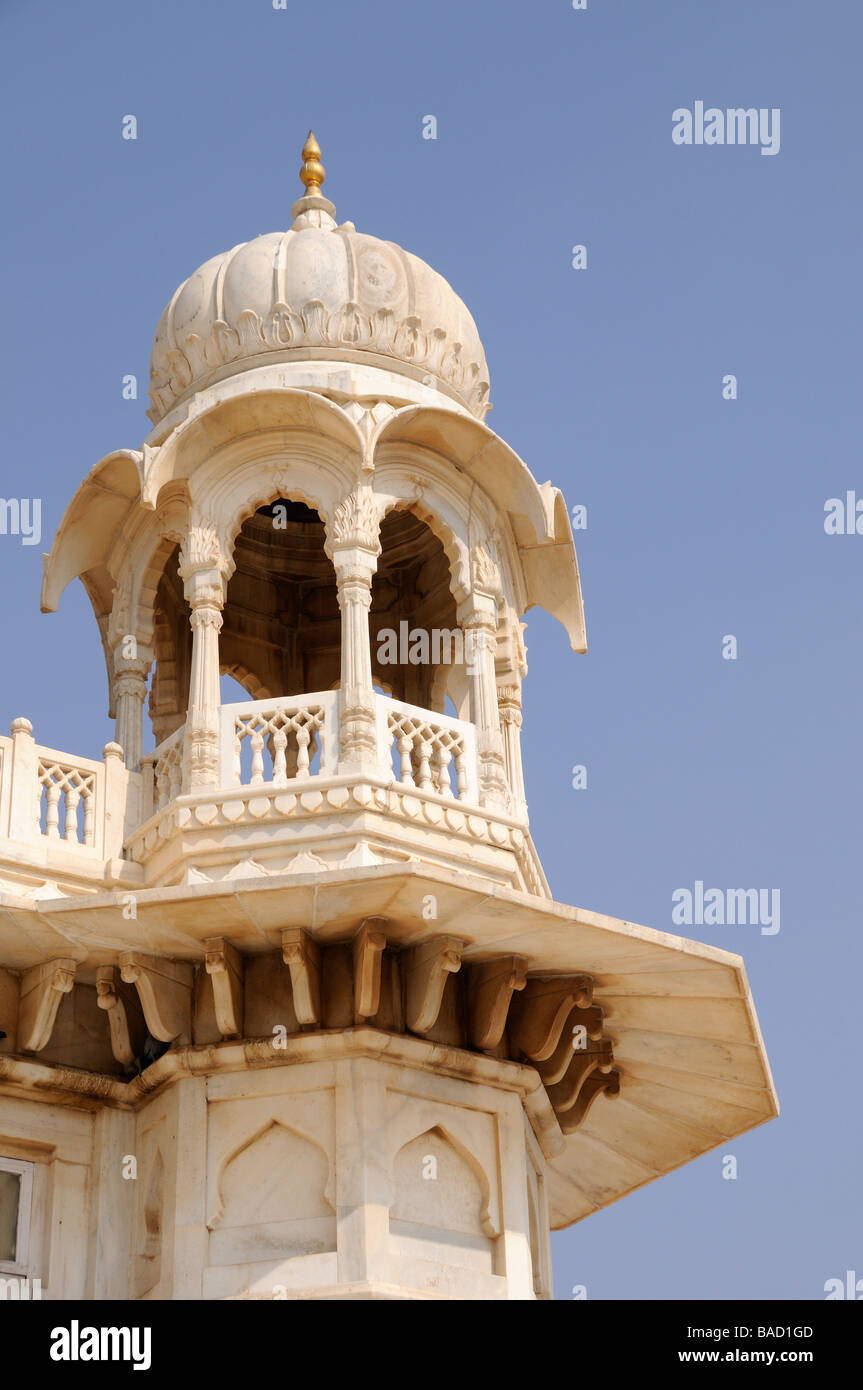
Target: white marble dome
318, 291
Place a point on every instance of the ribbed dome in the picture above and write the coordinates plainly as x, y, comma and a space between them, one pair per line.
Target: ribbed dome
318, 291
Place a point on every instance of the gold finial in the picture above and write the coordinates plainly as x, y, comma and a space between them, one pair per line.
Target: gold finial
313, 172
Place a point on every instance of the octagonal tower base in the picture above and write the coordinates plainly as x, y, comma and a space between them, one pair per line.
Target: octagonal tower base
343, 1165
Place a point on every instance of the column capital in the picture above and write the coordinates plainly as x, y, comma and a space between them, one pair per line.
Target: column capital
509, 704
204, 565
131, 683
135, 666
206, 612
354, 564
355, 525
484, 570
478, 610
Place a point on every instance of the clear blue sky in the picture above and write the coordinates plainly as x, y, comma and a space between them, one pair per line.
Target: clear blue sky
705, 516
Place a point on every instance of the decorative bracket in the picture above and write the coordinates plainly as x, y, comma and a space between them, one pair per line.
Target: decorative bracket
574, 1070
369, 945
426, 974
109, 999
542, 1011
302, 956
491, 986
595, 1084
224, 965
165, 991
564, 1093
555, 1067
41, 990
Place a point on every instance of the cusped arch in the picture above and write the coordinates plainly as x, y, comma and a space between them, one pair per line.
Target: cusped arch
272, 1126
398, 489
255, 472
226, 419
529, 518
143, 617
477, 452
407, 1129
140, 553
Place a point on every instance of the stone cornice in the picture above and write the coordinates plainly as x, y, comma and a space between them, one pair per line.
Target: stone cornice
86, 1089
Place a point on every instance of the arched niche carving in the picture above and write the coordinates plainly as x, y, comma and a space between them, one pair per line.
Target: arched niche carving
458, 510
438, 1185
458, 1133
279, 1173
431, 436
141, 550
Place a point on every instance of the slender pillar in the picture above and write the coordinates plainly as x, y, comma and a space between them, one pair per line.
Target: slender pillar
202, 572
130, 692
509, 709
478, 617
354, 547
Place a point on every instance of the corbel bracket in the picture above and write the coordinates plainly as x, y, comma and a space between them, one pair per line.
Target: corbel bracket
597, 1083
491, 986
41, 990
555, 1067
542, 1011
165, 991
224, 965
427, 968
302, 956
369, 945
108, 998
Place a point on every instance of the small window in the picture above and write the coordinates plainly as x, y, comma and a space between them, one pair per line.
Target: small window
16, 1187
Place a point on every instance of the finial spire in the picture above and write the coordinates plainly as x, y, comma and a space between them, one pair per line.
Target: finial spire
313, 209
313, 172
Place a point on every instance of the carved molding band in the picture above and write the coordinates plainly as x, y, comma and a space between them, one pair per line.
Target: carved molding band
348, 328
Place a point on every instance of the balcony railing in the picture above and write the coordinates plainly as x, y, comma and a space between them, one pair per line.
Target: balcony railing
90, 807
163, 770
430, 752
48, 796
279, 740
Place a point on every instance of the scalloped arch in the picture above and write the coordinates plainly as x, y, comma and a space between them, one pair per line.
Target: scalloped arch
414, 1128
397, 487
272, 1123
228, 418
147, 558
254, 471
476, 451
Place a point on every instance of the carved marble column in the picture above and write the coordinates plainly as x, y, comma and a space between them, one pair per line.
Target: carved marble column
478, 617
354, 547
202, 569
509, 709
130, 691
